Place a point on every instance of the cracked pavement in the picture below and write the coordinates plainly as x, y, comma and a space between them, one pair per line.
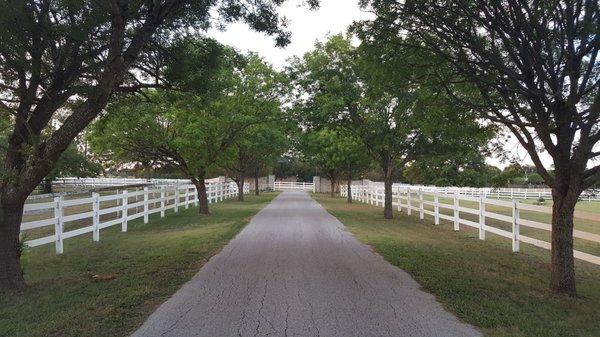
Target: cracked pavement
295, 271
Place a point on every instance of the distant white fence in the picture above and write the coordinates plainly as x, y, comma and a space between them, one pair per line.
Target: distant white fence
503, 193
108, 210
113, 182
293, 185
412, 199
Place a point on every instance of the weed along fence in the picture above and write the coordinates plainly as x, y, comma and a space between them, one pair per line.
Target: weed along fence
63, 217
286, 185
516, 221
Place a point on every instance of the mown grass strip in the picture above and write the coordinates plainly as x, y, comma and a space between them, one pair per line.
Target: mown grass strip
482, 282
108, 288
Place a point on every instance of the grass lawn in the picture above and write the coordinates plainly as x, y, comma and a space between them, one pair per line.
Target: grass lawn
142, 268
482, 282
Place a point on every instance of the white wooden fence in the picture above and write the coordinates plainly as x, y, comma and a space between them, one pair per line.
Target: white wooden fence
293, 185
502, 193
411, 199
113, 182
108, 210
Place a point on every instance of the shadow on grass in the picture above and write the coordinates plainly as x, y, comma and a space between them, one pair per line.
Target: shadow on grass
108, 288
482, 282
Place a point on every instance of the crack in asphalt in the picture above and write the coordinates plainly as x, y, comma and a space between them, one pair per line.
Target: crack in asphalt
295, 271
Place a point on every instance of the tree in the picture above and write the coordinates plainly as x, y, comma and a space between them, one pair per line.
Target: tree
71, 56
377, 100
259, 91
454, 171
72, 162
534, 67
336, 154
192, 129
258, 148
291, 165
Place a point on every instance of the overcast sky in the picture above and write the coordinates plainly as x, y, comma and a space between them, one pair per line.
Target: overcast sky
307, 27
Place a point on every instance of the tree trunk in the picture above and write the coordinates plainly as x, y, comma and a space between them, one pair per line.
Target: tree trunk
240, 185
332, 187
202, 197
349, 189
256, 187
47, 186
387, 206
562, 271
11, 275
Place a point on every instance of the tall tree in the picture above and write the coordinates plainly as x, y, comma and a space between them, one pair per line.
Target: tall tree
535, 68
59, 53
259, 147
73, 163
193, 129
377, 99
336, 154
259, 91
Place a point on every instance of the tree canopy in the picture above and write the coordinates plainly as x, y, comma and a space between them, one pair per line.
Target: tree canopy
337, 154
380, 102
195, 124
533, 67
70, 57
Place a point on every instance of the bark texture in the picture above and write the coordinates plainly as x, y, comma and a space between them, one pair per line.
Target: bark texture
387, 207
562, 272
240, 184
349, 189
256, 187
11, 276
202, 197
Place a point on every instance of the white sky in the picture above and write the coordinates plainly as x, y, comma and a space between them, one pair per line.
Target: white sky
307, 27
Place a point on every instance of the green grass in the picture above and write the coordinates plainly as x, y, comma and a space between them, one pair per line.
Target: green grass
482, 282
149, 263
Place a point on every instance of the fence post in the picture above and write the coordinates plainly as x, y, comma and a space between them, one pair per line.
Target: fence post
408, 202
515, 226
456, 213
146, 205
58, 225
96, 217
399, 195
421, 210
481, 218
436, 201
124, 212
176, 198
187, 197
162, 202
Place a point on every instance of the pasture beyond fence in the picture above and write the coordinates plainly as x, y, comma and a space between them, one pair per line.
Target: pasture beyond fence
482, 213
63, 217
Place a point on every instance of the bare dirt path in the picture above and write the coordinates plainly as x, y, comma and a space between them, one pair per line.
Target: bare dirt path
295, 271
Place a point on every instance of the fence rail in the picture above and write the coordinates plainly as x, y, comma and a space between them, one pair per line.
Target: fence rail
91, 214
114, 182
293, 185
433, 203
502, 193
